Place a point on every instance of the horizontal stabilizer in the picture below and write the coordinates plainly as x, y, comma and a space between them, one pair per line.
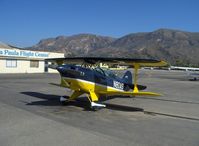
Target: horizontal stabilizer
135, 93
146, 94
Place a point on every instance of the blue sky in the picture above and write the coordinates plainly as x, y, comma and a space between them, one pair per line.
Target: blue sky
24, 22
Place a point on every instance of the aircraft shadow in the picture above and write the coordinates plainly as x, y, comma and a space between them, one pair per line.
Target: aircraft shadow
105, 98
182, 78
168, 100
48, 99
123, 108
82, 102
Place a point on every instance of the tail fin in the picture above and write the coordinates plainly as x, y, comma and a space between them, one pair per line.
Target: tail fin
127, 78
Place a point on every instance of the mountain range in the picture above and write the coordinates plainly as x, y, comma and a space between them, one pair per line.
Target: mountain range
175, 46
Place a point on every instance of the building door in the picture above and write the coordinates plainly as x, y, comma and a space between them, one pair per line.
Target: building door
45, 66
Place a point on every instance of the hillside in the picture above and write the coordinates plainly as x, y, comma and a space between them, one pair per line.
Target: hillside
177, 47
76, 45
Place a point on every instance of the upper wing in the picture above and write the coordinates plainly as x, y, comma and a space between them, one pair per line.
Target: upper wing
120, 61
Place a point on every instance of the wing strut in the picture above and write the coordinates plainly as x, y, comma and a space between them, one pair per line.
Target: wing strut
136, 67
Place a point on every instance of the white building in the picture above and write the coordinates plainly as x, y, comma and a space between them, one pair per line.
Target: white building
13, 60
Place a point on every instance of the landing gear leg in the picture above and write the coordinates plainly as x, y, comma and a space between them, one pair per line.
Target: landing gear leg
65, 101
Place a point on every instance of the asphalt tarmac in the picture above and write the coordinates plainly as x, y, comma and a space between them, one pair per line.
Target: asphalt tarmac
31, 114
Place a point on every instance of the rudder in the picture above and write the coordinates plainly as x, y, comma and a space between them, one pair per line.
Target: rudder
127, 78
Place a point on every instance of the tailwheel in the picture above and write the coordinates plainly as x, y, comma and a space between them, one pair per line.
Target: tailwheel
64, 100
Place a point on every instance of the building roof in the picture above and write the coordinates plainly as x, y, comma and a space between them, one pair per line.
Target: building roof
6, 46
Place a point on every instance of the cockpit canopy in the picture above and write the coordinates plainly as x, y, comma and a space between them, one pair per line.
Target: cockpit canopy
105, 72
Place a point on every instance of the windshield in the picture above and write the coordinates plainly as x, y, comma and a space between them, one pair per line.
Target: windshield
105, 72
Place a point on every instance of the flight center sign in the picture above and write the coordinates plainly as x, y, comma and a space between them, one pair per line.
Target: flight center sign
23, 53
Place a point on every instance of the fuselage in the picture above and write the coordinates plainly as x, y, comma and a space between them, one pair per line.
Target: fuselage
85, 79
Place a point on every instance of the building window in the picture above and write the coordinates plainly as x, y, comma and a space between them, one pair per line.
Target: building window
11, 63
34, 63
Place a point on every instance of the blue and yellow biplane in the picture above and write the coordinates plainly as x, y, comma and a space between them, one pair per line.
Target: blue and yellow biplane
83, 75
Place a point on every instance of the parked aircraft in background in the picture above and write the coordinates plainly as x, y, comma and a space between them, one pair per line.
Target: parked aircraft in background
184, 68
192, 73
